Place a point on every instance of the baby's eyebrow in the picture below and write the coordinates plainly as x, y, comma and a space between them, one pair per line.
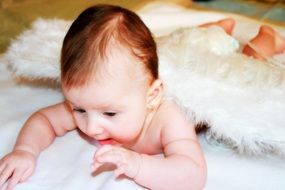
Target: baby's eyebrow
105, 106
68, 101
102, 106
110, 106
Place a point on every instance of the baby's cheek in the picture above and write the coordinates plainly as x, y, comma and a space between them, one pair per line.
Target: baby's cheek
80, 123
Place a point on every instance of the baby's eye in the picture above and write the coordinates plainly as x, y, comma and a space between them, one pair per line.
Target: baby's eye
79, 110
110, 114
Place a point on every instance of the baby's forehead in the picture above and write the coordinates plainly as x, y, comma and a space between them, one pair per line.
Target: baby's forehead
120, 61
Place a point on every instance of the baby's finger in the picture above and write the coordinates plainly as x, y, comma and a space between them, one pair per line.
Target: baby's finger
26, 174
14, 180
95, 166
113, 156
2, 166
119, 171
102, 150
5, 174
110, 156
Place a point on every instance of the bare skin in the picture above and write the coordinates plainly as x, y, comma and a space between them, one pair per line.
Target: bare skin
227, 24
129, 118
268, 42
103, 109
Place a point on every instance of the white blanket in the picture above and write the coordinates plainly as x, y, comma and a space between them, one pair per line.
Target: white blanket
66, 163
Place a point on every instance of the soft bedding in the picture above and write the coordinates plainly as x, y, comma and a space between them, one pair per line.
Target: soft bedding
66, 163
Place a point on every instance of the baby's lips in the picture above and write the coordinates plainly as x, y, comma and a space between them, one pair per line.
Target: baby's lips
106, 142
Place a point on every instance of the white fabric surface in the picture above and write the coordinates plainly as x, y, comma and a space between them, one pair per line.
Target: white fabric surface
66, 163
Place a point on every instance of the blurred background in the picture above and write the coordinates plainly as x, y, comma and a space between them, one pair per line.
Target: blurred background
17, 15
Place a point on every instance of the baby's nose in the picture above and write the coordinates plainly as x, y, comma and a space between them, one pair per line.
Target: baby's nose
94, 128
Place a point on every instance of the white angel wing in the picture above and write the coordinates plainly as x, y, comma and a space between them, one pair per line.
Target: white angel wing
240, 98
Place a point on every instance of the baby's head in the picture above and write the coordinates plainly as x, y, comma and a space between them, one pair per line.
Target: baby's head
91, 41
109, 73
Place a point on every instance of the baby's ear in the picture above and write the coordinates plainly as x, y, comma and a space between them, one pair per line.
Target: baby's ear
155, 94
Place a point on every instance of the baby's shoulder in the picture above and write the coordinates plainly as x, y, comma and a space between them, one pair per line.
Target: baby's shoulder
169, 105
174, 122
171, 112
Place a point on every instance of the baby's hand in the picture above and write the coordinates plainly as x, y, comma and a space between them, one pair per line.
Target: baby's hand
128, 162
18, 166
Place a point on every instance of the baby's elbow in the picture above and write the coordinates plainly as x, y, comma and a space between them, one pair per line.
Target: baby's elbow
198, 176
201, 176
43, 120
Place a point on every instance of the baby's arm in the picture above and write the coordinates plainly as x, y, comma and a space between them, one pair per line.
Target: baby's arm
183, 166
37, 133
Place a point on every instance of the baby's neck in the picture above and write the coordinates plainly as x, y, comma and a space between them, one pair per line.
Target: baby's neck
148, 141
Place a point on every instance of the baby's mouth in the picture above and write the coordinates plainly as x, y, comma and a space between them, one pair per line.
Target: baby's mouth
106, 142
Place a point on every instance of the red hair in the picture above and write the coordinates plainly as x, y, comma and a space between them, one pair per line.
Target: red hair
85, 44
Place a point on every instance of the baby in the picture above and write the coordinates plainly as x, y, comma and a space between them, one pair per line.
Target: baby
113, 93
